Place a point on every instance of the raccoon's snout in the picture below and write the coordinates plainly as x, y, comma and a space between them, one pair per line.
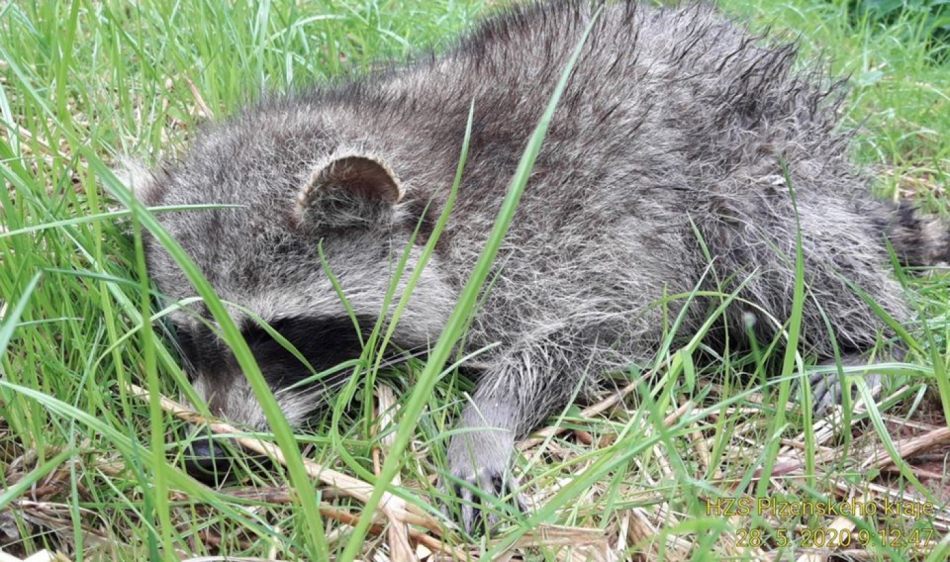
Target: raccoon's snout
207, 460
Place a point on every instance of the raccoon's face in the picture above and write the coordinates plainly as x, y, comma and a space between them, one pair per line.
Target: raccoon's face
279, 256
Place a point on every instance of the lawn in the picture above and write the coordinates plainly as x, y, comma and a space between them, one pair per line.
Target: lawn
667, 466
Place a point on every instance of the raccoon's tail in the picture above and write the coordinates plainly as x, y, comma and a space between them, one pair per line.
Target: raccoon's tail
917, 238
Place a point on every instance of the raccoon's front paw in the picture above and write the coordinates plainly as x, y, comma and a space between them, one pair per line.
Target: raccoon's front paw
827, 389
480, 478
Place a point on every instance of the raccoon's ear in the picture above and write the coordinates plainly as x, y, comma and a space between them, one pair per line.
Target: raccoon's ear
349, 190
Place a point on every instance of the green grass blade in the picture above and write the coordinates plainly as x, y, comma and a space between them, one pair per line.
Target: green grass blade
458, 319
282, 433
12, 318
791, 352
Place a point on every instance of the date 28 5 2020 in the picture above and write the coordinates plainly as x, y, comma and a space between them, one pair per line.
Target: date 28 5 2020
836, 538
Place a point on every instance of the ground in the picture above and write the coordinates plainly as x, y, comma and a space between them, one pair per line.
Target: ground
670, 465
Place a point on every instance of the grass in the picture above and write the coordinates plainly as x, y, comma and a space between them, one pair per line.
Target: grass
92, 472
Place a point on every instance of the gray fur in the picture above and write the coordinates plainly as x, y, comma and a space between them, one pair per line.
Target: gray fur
674, 119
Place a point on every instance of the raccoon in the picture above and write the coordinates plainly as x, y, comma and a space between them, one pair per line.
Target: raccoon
662, 172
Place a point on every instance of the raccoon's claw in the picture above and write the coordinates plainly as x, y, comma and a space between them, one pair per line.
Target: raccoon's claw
480, 478
826, 389
481, 493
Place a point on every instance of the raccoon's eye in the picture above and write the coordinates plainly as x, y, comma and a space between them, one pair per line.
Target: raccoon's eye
325, 341
198, 347
187, 346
